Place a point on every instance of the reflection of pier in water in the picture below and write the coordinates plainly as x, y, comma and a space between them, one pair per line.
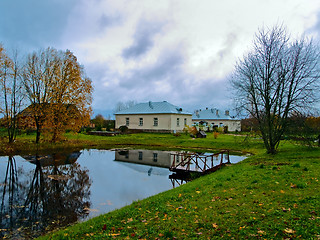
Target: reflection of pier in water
187, 166
184, 165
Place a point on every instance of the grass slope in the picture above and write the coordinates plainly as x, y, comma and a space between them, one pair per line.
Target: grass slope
267, 197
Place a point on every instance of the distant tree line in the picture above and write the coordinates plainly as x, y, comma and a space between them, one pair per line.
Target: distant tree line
100, 123
299, 127
51, 84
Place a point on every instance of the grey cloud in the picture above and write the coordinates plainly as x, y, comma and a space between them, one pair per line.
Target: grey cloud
33, 23
184, 90
230, 42
316, 28
106, 21
143, 39
166, 66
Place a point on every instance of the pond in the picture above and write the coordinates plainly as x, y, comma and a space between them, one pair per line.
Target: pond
46, 192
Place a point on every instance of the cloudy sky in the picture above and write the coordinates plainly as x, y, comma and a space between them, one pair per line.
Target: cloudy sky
181, 51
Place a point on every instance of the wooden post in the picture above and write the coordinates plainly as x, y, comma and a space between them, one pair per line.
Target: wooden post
212, 161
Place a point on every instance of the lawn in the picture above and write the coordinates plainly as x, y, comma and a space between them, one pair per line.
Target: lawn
265, 196
25, 143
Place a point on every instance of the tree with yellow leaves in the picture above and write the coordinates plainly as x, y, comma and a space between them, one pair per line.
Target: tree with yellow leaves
59, 92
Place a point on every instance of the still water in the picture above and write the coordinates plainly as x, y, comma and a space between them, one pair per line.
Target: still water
42, 193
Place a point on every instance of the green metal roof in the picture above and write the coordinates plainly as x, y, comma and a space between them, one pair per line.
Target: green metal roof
153, 108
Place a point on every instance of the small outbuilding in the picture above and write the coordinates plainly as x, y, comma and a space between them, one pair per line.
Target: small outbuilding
215, 118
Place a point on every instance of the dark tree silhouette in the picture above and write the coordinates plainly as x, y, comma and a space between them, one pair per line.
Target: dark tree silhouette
278, 77
52, 195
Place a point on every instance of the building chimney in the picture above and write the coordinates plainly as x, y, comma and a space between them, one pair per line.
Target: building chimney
150, 105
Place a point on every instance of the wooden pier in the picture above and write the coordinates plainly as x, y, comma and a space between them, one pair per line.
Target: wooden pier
187, 166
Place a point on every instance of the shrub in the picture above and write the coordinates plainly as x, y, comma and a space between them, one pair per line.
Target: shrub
123, 129
215, 135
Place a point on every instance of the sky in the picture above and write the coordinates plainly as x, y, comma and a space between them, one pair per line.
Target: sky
180, 51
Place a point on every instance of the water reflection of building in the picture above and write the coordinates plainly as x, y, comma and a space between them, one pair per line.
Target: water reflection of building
54, 159
147, 157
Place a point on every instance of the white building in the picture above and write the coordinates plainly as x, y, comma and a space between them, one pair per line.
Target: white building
216, 118
154, 117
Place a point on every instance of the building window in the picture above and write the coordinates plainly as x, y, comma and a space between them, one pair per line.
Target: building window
178, 122
155, 122
155, 157
140, 155
140, 121
185, 122
127, 121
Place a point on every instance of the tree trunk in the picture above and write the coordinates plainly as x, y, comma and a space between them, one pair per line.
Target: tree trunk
38, 136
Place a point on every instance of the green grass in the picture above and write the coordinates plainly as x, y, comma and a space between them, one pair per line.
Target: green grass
263, 197
25, 143
267, 197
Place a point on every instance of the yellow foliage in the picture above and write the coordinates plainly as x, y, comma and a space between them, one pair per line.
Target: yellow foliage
215, 135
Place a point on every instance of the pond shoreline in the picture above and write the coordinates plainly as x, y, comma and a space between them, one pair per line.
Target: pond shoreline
27, 146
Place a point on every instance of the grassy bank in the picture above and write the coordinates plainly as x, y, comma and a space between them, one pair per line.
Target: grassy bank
267, 197
25, 144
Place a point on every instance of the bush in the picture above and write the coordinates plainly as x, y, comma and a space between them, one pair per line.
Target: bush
123, 129
215, 135
192, 131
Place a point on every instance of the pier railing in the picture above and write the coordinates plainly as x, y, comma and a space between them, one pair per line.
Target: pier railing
187, 166
195, 162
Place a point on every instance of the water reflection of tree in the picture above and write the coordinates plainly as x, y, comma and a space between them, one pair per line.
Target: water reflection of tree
10, 196
49, 202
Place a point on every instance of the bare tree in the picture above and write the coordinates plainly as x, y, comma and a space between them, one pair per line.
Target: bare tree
277, 78
38, 77
11, 89
124, 105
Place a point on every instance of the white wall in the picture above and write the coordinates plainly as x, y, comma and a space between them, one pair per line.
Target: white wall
165, 121
233, 125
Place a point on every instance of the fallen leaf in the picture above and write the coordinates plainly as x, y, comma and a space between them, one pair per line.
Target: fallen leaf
113, 234
214, 225
288, 230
